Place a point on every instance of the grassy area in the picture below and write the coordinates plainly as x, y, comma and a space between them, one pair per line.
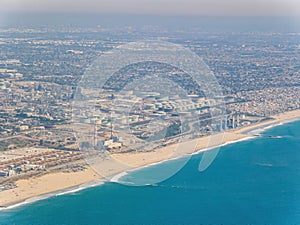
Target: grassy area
13, 143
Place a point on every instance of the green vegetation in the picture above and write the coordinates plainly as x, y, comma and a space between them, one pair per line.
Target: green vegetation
3, 146
13, 143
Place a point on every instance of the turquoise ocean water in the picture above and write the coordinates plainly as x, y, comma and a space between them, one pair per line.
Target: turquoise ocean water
250, 182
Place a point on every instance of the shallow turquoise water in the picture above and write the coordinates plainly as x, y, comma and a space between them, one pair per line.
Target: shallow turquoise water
250, 182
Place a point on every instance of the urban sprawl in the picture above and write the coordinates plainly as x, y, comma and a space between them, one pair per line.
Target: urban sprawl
40, 70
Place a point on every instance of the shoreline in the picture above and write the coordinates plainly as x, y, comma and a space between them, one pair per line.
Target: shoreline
69, 190
116, 178
48, 185
93, 179
262, 128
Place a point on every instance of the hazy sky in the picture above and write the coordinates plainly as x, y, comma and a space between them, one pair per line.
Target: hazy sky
182, 7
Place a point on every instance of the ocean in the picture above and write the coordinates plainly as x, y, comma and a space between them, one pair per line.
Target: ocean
256, 181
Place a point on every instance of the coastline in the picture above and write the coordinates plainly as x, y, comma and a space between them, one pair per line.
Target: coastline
37, 188
143, 159
59, 192
53, 184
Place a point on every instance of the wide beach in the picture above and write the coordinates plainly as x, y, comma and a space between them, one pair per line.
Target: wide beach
54, 182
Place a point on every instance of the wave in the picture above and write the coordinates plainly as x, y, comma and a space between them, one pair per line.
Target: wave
118, 177
261, 129
81, 187
222, 145
27, 201
271, 165
66, 191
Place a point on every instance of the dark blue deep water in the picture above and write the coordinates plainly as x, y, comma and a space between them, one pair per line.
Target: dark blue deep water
251, 182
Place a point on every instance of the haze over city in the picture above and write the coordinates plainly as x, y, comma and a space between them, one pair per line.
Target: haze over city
175, 7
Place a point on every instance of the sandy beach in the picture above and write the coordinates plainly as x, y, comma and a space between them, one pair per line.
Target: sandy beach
45, 184
201, 144
125, 161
